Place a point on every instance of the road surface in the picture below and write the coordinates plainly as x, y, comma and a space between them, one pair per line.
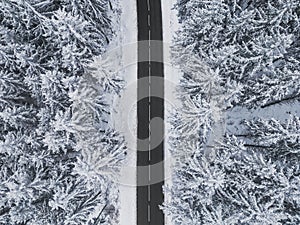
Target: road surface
150, 195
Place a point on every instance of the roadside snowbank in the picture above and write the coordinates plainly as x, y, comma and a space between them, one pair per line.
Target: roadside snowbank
127, 123
172, 76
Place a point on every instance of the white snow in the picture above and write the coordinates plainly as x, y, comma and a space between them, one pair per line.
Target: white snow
172, 75
127, 105
279, 112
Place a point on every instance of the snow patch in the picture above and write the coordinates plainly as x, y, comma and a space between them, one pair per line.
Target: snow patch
128, 37
172, 76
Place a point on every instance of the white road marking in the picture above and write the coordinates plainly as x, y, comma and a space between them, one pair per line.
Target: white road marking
149, 96
148, 5
149, 194
149, 20
149, 173
149, 213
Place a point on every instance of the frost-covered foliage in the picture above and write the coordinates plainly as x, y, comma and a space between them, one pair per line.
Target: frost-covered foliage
252, 43
278, 138
242, 186
202, 100
58, 151
235, 53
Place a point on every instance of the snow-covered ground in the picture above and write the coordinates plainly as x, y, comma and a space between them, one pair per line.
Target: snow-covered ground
172, 76
127, 123
278, 112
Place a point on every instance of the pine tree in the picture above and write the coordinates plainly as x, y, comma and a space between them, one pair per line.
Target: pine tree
241, 186
235, 53
279, 139
48, 173
249, 42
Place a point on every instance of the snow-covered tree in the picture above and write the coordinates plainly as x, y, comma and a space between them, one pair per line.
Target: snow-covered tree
241, 186
58, 151
280, 139
245, 53
252, 43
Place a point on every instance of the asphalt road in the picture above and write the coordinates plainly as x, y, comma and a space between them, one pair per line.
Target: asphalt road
150, 195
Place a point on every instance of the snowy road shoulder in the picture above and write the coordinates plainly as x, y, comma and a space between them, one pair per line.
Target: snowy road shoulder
127, 123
